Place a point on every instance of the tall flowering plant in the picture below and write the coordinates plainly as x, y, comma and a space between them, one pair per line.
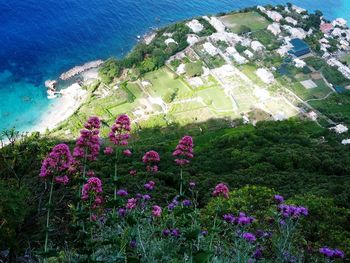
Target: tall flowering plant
119, 135
151, 159
183, 153
55, 167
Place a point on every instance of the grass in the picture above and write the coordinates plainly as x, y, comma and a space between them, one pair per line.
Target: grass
165, 81
346, 59
253, 20
215, 98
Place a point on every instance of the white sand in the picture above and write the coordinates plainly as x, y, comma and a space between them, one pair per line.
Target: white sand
63, 107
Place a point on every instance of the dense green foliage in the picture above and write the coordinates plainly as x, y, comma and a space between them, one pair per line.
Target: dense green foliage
296, 159
194, 69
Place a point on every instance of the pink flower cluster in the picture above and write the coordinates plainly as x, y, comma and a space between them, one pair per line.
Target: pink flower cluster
88, 143
221, 190
120, 131
184, 151
150, 185
93, 188
156, 211
56, 163
151, 158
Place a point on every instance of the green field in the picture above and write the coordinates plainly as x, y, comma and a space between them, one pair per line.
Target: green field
216, 98
164, 82
253, 20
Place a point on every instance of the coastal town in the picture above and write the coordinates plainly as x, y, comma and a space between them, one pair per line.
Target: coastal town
263, 63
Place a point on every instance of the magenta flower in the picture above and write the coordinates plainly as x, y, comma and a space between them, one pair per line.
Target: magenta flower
133, 172
150, 185
156, 211
58, 161
221, 190
192, 185
108, 150
92, 189
88, 143
151, 158
131, 204
120, 131
127, 153
90, 173
184, 151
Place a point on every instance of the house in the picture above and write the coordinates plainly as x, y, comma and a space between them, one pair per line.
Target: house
274, 28
291, 20
298, 9
216, 23
265, 75
345, 70
257, 46
299, 63
239, 59
275, 16
337, 32
248, 53
345, 141
195, 26
340, 128
169, 41
341, 22
326, 28
192, 39
231, 50
210, 49
299, 48
261, 8
312, 115
297, 32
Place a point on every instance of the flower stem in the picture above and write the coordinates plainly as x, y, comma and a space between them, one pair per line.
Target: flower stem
181, 181
115, 174
48, 216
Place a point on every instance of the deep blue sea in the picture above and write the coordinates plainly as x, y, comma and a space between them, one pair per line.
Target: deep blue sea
40, 39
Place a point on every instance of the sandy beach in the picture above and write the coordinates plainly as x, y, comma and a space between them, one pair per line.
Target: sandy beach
62, 108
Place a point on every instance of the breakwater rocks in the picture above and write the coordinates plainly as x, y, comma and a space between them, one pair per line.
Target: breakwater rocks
79, 69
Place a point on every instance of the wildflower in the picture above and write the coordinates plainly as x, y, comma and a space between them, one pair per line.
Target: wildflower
221, 189
332, 253
151, 158
93, 217
186, 202
192, 185
62, 179
150, 185
90, 174
88, 143
204, 233
156, 211
229, 218
59, 160
146, 197
122, 192
120, 130
131, 204
173, 204
127, 153
175, 232
166, 232
249, 237
292, 211
108, 150
122, 212
184, 151
258, 253
133, 244
92, 187
133, 172
242, 219
278, 199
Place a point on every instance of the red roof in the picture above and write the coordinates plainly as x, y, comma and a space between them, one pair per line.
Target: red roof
326, 27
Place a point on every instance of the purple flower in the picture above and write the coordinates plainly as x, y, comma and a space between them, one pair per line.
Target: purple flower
229, 218
204, 233
278, 199
133, 244
122, 212
249, 237
108, 150
122, 192
146, 197
150, 185
166, 232
175, 232
292, 211
258, 253
332, 253
186, 202
192, 185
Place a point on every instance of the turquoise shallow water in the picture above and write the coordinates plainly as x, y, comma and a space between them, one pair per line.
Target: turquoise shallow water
39, 39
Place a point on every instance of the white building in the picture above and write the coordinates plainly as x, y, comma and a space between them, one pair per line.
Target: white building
169, 41
297, 32
257, 46
337, 32
345, 141
275, 16
298, 9
340, 128
181, 69
299, 63
195, 26
261, 8
239, 59
345, 70
341, 22
312, 115
291, 20
216, 23
274, 28
210, 49
265, 75
248, 53
192, 39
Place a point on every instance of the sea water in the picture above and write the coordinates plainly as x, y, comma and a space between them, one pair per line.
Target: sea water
40, 39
